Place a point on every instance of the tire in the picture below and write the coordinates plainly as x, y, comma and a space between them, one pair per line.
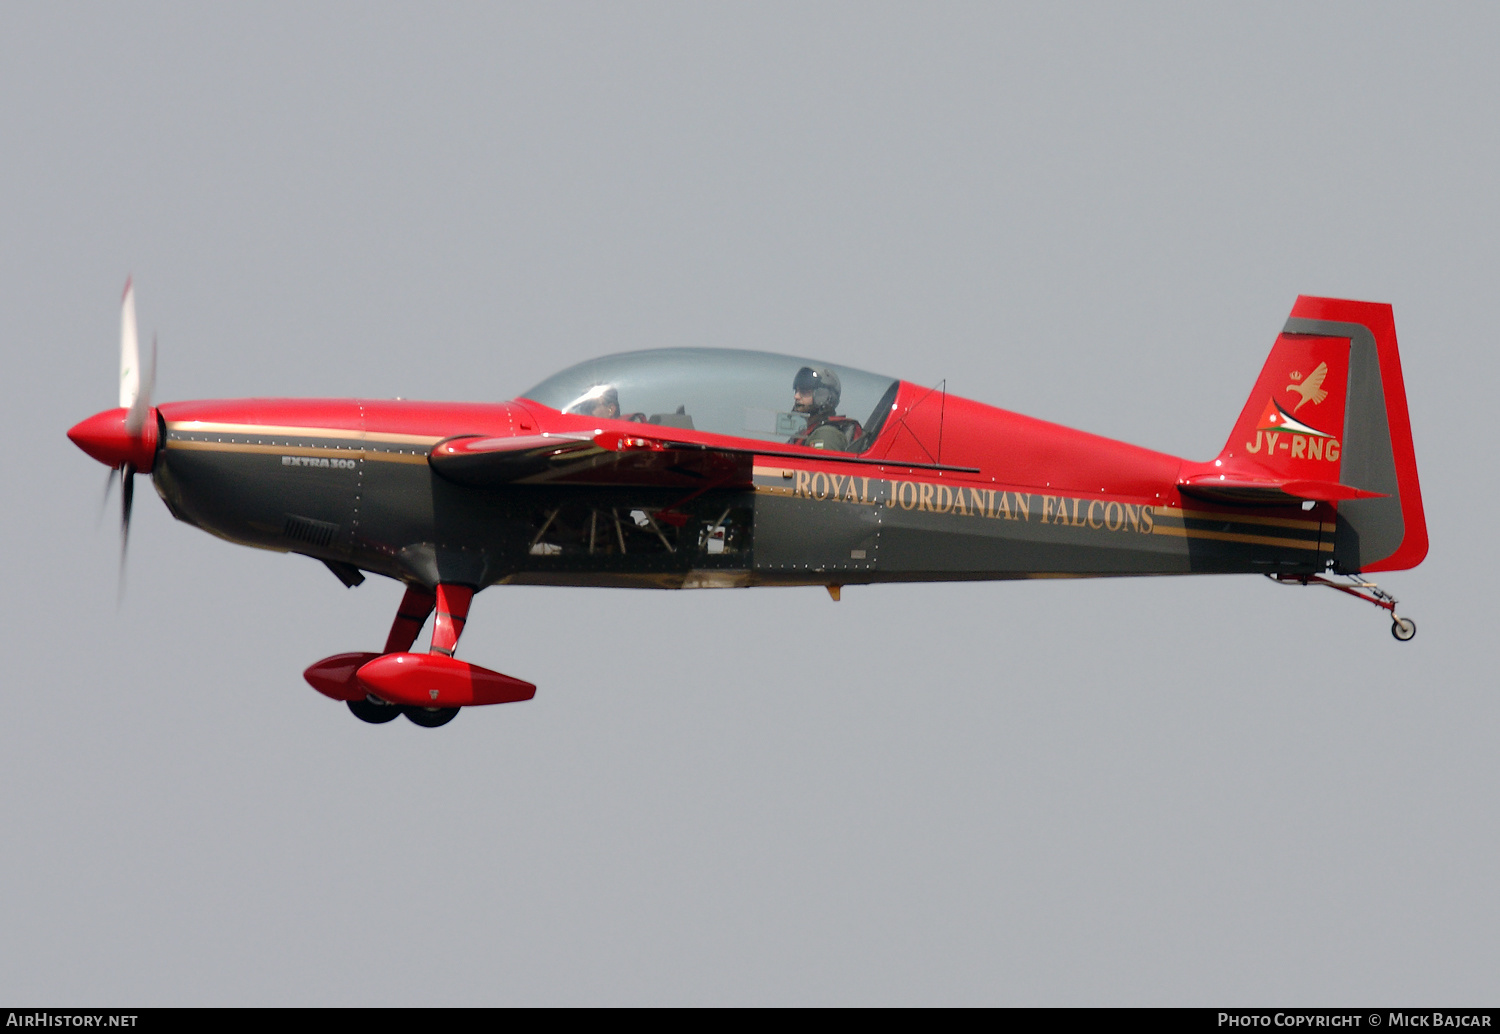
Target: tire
1403, 629
431, 717
375, 713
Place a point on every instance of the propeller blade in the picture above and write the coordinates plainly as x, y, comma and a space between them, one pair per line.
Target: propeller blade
127, 500
109, 487
136, 388
135, 419
130, 355
127, 497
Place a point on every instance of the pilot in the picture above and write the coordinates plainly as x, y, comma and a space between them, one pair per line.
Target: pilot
815, 392
601, 401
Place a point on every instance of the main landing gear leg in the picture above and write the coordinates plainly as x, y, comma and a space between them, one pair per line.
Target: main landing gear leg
452, 613
415, 607
1402, 628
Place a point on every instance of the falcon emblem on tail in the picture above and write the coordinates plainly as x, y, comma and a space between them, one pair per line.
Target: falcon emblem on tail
1312, 388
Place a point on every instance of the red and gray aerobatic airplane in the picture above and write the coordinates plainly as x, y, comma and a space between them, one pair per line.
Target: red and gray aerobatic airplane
704, 468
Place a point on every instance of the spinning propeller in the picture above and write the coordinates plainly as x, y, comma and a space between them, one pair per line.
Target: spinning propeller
125, 439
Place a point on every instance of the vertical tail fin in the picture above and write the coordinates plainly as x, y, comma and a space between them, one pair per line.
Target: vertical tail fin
1330, 406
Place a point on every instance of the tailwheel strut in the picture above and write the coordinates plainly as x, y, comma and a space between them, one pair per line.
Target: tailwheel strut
1402, 628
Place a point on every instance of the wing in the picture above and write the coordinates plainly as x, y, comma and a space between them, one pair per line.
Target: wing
481, 462
615, 458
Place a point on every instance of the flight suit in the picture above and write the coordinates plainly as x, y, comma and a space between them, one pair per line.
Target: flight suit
827, 431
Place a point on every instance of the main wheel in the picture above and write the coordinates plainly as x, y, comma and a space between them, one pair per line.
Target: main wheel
1403, 628
374, 712
431, 717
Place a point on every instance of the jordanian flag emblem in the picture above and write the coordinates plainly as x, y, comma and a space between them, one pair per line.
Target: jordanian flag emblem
1277, 419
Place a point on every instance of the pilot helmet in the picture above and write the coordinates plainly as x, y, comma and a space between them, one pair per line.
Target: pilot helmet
598, 394
822, 382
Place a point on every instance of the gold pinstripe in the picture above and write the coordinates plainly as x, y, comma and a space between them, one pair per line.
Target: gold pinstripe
1230, 536
293, 431
1237, 518
346, 451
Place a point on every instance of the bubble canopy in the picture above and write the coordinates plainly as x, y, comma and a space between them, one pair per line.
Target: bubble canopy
722, 391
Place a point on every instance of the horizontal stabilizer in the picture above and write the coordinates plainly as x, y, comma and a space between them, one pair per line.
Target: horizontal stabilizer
1240, 488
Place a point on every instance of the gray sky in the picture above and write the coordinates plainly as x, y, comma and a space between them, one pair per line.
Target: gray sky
1173, 791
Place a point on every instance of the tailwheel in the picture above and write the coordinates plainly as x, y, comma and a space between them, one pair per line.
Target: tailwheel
376, 712
430, 717
1402, 628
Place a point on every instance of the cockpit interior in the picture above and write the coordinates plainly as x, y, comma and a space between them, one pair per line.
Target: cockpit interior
733, 392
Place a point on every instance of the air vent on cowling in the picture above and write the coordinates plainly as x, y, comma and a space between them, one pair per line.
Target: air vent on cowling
305, 529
